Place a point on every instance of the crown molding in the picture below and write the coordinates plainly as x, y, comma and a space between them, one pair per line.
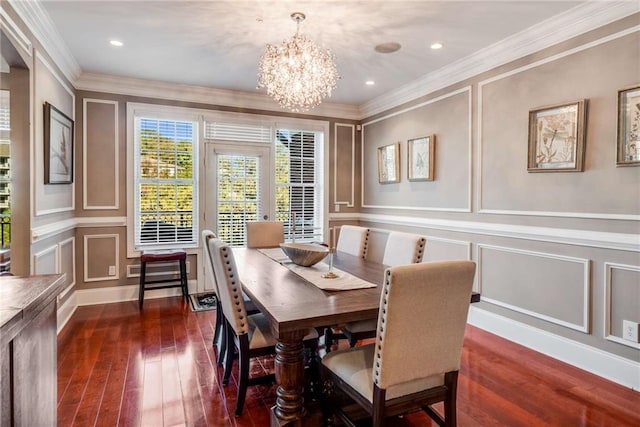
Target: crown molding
40, 24
572, 23
200, 94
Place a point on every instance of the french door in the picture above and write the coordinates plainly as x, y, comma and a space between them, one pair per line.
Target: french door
239, 188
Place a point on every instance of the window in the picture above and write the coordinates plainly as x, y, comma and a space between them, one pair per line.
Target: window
298, 189
166, 193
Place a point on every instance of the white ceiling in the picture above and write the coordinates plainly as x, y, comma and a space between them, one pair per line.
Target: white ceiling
218, 43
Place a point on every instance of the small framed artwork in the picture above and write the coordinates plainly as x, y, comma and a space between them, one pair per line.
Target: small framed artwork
389, 163
557, 137
58, 146
629, 127
420, 158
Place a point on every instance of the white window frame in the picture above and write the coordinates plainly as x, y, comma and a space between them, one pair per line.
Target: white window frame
136, 110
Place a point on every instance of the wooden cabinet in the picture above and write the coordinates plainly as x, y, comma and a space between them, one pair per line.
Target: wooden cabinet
28, 350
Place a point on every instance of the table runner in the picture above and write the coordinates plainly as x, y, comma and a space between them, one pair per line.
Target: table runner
313, 274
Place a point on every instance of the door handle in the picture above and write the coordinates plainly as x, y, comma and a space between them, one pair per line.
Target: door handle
265, 217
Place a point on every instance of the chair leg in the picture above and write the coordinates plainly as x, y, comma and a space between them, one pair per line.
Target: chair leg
228, 353
243, 374
183, 278
379, 399
451, 382
143, 270
217, 333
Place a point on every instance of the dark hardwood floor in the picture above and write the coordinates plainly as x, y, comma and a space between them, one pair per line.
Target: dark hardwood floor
118, 366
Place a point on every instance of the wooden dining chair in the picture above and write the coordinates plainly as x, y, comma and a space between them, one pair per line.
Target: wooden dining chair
353, 240
401, 248
250, 334
415, 360
219, 337
264, 234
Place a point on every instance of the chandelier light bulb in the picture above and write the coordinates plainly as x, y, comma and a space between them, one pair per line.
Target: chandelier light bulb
297, 74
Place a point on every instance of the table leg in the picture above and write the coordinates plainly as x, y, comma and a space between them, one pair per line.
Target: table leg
289, 366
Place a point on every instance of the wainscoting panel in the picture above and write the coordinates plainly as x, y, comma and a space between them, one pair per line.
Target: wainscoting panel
67, 261
621, 300
344, 165
100, 187
101, 253
46, 261
551, 287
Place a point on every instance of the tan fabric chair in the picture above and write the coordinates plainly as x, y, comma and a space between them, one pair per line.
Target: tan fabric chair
403, 248
219, 340
264, 234
353, 240
416, 357
250, 334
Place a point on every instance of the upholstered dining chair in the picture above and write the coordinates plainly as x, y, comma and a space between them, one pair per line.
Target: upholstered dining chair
353, 240
250, 334
219, 338
415, 360
401, 248
264, 234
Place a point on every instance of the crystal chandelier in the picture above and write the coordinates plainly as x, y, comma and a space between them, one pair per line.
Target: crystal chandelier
298, 74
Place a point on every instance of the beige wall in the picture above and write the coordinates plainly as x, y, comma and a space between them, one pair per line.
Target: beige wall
578, 289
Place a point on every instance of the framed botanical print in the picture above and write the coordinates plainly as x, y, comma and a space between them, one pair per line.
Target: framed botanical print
628, 127
389, 163
420, 158
58, 146
557, 137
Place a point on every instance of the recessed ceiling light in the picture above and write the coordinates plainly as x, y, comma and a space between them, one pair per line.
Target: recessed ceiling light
436, 45
115, 43
387, 47
369, 82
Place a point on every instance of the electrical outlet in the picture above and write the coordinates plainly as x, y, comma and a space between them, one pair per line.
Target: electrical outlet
630, 331
112, 270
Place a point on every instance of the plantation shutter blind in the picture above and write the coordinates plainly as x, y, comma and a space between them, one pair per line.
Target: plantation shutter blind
166, 201
297, 180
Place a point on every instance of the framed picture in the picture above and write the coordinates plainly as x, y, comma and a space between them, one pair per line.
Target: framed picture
58, 146
420, 158
556, 138
389, 163
628, 127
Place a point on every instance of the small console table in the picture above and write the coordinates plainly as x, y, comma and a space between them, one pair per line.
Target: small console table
28, 349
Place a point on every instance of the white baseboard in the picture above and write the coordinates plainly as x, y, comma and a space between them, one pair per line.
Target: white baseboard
109, 295
66, 310
124, 293
614, 368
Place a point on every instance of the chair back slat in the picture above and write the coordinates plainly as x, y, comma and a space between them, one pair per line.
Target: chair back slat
229, 286
264, 234
403, 248
421, 322
353, 240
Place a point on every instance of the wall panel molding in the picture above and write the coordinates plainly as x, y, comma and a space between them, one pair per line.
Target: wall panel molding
608, 287
348, 203
38, 257
85, 253
586, 286
38, 181
467, 90
566, 236
116, 161
479, 189
72, 280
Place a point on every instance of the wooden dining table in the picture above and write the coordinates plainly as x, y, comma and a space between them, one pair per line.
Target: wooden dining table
293, 305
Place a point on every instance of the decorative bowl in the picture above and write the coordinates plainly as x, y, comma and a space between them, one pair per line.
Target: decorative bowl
304, 254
